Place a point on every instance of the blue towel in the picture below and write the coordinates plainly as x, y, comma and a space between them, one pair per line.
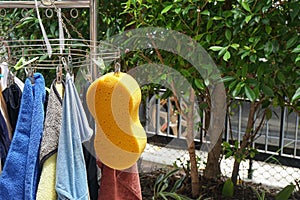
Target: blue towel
71, 177
19, 177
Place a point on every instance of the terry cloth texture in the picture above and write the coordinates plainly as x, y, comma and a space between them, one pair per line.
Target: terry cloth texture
12, 96
71, 177
20, 174
52, 125
119, 185
49, 144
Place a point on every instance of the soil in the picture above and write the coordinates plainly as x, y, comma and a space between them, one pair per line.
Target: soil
210, 189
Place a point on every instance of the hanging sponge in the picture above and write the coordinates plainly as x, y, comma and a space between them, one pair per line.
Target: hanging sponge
113, 100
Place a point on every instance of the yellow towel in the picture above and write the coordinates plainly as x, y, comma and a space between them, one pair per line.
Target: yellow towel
46, 189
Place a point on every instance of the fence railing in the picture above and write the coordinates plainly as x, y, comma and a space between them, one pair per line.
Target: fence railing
278, 137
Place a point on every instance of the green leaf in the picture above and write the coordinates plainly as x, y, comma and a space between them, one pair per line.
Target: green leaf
228, 154
199, 84
209, 24
250, 93
244, 70
235, 46
232, 84
228, 78
246, 53
267, 90
296, 95
208, 38
217, 18
177, 10
291, 42
228, 188
252, 154
248, 18
281, 77
285, 193
166, 9
245, 5
177, 184
268, 113
237, 89
297, 49
226, 56
205, 12
268, 29
216, 48
297, 59
228, 34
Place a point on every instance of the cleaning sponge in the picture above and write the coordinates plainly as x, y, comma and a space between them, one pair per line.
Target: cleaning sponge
113, 100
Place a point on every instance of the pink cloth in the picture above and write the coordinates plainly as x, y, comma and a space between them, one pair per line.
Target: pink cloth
119, 185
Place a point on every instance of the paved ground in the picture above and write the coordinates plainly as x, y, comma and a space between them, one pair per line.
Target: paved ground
267, 174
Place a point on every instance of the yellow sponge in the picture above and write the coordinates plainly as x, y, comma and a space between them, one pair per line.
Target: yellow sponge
114, 100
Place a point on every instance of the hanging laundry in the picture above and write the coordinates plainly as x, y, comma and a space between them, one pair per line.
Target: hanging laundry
3, 110
4, 141
119, 185
12, 96
89, 151
7, 74
20, 173
48, 151
71, 177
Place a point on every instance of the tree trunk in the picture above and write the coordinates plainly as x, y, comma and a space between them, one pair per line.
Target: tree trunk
215, 130
191, 147
245, 142
212, 169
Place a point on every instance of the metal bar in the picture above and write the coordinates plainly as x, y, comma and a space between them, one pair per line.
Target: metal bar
267, 136
296, 135
157, 115
281, 136
147, 114
179, 120
58, 4
93, 35
168, 116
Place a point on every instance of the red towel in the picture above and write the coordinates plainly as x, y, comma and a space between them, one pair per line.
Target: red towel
119, 185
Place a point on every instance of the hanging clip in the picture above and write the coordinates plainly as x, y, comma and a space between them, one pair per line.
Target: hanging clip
30, 74
59, 73
64, 62
117, 67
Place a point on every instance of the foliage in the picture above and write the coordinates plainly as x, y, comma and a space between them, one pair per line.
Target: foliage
228, 188
285, 193
258, 195
162, 184
185, 165
231, 150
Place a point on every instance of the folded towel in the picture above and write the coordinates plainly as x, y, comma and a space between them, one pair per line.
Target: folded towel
49, 144
119, 185
71, 177
20, 173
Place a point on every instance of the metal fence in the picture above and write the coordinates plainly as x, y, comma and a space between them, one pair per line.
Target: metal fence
278, 143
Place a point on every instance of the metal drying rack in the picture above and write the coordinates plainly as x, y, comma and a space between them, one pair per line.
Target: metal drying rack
83, 53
